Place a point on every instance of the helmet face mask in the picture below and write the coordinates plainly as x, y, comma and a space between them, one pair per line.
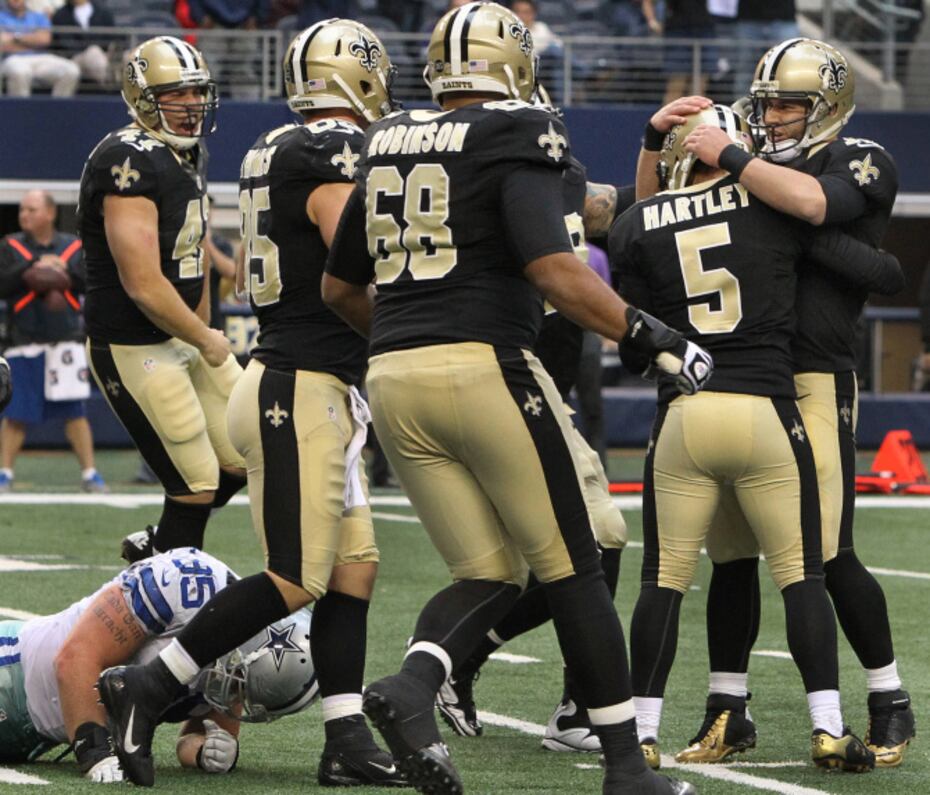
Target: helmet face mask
481, 48
166, 65
268, 676
676, 165
339, 63
794, 72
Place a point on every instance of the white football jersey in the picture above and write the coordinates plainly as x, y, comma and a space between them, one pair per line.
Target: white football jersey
162, 593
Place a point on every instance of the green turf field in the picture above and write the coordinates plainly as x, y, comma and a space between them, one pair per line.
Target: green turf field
281, 757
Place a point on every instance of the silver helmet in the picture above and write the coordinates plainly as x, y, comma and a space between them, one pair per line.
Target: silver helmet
266, 677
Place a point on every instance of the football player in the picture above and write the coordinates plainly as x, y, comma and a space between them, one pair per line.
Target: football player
142, 214
296, 415
587, 206
472, 424
48, 667
710, 257
802, 97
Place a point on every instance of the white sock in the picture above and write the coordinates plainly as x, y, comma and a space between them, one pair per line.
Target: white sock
341, 706
648, 717
179, 662
882, 680
87, 474
730, 684
436, 650
615, 713
7, 472
824, 706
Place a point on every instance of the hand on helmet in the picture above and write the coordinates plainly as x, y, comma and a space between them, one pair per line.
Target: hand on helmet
677, 111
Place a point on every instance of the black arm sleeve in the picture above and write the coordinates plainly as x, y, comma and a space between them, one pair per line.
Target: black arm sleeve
626, 198
864, 266
534, 216
844, 202
348, 258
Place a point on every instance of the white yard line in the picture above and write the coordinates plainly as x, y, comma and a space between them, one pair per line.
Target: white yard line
514, 659
780, 655
21, 615
8, 776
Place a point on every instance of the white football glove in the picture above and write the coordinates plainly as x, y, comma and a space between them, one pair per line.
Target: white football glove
691, 368
220, 750
106, 771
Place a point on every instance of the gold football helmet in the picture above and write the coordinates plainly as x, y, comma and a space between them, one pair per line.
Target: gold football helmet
481, 48
339, 63
167, 64
676, 164
810, 71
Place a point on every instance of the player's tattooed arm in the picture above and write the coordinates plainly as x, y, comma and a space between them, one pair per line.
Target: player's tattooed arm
600, 209
106, 634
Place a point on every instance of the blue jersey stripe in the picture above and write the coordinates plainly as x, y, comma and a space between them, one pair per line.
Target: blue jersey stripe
165, 613
10, 660
140, 609
9, 641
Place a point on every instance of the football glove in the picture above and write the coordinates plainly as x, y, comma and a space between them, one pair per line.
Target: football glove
6, 384
220, 750
649, 346
96, 757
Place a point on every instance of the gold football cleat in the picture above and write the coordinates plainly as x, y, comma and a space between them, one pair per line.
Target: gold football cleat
650, 748
726, 731
891, 727
847, 753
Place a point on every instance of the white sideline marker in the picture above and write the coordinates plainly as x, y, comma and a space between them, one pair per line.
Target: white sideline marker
8, 776
779, 655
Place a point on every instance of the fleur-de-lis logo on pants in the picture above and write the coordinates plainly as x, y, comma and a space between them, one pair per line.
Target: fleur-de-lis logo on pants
276, 416
846, 413
863, 170
347, 159
553, 142
533, 404
125, 175
113, 387
798, 432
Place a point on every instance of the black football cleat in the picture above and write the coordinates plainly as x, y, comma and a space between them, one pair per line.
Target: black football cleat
401, 708
139, 545
726, 731
133, 701
846, 753
456, 703
891, 727
646, 783
351, 758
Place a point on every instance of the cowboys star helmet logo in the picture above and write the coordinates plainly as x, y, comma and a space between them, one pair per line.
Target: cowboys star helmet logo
553, 142
833, 74
347, 159
125, 175
367, 51
279, 643
522, 34
863, 171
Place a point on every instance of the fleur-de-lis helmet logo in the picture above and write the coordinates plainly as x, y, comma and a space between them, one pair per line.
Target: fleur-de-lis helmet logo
522, 34
367, 51
833, 74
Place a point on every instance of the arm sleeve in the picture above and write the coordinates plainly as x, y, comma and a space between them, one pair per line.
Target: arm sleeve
859, 174
535, 228
861, 264
348, 258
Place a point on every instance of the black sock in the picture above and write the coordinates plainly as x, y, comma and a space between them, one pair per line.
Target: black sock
242, 609
621, 748
531, 610
229, 486
733, 614
610, 564
654, 639
861, 609
812, 634
458, 617
182, 524
485, 648
338, 636
591, 638
425, 668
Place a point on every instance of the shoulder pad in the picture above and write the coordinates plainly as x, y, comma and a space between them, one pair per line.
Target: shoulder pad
511, 105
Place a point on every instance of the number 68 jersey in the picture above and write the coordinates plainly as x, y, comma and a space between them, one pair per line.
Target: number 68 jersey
162, 593
129, 162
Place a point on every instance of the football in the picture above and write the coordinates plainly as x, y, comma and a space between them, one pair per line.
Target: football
40, 278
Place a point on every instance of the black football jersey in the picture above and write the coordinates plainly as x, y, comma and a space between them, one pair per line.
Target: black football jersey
718, 265
860, 181
285, 253
130, 162
447, 241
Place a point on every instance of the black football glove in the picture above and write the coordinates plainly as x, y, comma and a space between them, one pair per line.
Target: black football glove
96, 758
650, 345
6, 384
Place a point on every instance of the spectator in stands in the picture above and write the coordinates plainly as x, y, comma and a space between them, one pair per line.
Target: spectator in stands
232, 58
88, 52
760, 24
24, 40
41, 270
684, 19
46, 7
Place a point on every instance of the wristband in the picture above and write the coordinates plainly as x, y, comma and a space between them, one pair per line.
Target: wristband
734, 160
652, 138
